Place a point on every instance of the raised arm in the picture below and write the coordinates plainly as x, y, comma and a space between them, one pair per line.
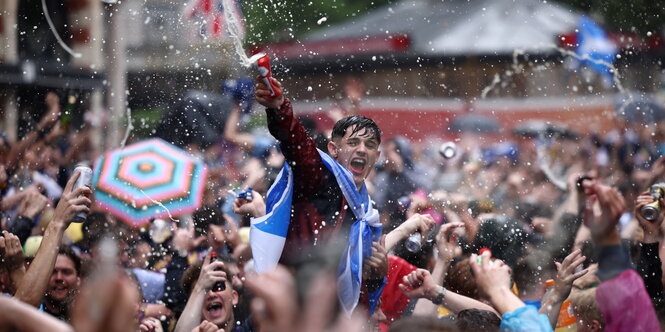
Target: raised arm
43, 127
420, 223
563, 284
298, 147
493, 279
36, 279
11, 258
210, 274
649, 265
621, 296
232, 134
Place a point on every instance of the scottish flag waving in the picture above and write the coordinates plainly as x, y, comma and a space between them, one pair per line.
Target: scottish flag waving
596, 49
268, 233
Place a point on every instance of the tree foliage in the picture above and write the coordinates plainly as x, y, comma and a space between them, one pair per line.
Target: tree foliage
282, 20
628, 16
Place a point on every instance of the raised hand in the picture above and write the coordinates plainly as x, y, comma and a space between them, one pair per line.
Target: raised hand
211, 272
72, 201
183, 239
493, 279
11, 253
255, 208
354, 90
612, 205
566, 274
262, 94
652, 232
446, 243
150, 324
418, 284
421, 223
32, 204
376, 266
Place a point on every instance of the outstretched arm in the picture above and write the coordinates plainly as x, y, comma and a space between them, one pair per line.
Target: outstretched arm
420, 223
298, 147
420, 285
18, 316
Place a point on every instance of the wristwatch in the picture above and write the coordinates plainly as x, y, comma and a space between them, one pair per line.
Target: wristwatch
440, 295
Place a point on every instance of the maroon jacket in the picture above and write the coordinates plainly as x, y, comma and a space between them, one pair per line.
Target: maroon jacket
319, 214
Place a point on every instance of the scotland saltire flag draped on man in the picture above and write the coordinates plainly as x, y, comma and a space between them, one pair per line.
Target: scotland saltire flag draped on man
268, 233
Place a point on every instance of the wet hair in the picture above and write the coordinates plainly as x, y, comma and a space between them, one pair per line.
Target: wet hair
504, 237
67, 251
477, 320
360, 124
585, 307
95, 227
461, 280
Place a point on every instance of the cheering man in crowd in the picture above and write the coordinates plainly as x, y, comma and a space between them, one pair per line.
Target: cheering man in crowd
319, 198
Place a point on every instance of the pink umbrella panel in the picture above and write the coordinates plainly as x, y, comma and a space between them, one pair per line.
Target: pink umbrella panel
150, 179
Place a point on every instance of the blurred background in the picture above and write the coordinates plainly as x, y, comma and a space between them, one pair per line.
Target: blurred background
423, 63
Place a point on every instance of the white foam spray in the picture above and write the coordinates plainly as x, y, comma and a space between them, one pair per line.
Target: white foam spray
234, 29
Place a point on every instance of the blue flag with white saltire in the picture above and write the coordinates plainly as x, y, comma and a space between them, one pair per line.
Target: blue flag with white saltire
268, 233
595, 49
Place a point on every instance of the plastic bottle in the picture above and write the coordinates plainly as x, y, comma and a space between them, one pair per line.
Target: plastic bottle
566, 321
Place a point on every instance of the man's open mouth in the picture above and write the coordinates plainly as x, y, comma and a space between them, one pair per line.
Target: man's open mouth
357, 165
215, 308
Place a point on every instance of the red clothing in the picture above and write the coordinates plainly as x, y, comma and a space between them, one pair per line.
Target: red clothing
318, 213
393, 301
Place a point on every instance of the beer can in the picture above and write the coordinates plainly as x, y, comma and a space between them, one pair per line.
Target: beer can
85, 179
413, 243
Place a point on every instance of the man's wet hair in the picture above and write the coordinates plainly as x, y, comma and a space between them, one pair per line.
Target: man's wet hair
359, 124
67, 251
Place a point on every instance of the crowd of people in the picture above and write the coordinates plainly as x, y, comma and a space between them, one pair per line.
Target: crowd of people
381, 234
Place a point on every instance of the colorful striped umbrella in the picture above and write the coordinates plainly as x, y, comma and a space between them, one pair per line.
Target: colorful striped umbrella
150, 179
